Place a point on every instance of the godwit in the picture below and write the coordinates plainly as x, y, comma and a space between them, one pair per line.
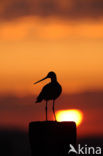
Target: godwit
51, 91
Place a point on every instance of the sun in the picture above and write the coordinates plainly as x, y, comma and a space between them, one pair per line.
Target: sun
70, 115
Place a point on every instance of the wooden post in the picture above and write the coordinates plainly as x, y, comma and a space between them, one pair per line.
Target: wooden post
51, 138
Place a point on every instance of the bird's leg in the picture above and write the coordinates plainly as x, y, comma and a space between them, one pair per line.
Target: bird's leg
54, 111
46, 111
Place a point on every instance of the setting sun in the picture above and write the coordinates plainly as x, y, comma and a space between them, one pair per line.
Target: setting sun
70, 115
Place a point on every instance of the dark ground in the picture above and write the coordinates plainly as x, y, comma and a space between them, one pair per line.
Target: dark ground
16, 143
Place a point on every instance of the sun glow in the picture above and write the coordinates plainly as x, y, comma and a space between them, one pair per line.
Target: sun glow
70, 115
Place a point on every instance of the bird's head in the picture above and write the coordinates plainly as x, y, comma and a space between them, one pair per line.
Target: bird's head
51, 75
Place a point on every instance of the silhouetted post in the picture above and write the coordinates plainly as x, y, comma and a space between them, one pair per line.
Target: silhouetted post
51, 138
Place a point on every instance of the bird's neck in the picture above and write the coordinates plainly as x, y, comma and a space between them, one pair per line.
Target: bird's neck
54, 79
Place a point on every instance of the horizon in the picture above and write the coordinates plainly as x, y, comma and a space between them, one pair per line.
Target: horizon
20, 111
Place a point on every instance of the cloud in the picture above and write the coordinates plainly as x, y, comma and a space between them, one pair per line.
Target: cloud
19, 111
69, 9
87, 100
31, 28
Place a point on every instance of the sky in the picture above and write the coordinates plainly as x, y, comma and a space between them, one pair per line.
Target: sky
65, 36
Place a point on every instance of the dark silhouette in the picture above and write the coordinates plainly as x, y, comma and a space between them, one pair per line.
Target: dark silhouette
51, 138
14, 142
51, 91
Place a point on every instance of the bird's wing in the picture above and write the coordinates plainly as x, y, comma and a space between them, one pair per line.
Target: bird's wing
44, 93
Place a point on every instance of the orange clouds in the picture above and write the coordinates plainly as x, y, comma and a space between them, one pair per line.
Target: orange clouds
30, 28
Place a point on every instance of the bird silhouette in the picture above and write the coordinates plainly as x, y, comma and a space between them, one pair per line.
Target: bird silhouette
51, 91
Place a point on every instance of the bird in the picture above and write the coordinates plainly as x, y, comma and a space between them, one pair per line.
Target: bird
51, 91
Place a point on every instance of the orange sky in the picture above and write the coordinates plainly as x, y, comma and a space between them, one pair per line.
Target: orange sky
62, 36
30, 47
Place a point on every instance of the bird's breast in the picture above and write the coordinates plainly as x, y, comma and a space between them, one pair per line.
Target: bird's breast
53, 90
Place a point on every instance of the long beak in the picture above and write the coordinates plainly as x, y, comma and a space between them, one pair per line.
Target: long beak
40, 80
